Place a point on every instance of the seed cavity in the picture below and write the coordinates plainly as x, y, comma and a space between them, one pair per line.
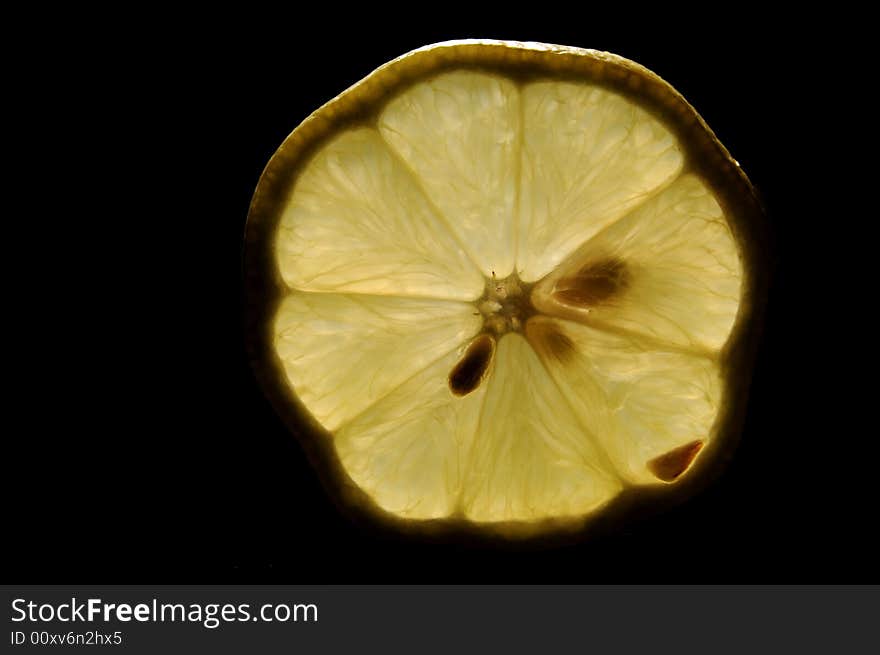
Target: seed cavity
470, 370
593, 284
671, 465
548, 339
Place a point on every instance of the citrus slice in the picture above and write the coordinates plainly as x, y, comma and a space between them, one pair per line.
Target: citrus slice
504, 284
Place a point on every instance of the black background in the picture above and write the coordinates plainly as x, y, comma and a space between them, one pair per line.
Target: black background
149, 454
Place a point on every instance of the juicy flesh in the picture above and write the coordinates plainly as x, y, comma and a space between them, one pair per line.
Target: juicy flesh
506, 300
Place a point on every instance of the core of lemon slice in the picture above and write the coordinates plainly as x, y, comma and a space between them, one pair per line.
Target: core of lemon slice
503, 283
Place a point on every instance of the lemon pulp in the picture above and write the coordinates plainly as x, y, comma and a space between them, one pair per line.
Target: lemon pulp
506, 298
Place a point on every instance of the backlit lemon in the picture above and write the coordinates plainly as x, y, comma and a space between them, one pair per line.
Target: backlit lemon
504, 285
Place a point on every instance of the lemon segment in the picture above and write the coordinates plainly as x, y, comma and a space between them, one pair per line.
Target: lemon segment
640, 402
357, 220
589, 156
682, 271
407, 451
532, 457
459, 133
343, 352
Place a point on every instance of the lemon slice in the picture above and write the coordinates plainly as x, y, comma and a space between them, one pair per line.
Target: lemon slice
504, 284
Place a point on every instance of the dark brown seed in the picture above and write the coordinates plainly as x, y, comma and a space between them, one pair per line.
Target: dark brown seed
593, 284
549, 340
671, 465
469, 372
